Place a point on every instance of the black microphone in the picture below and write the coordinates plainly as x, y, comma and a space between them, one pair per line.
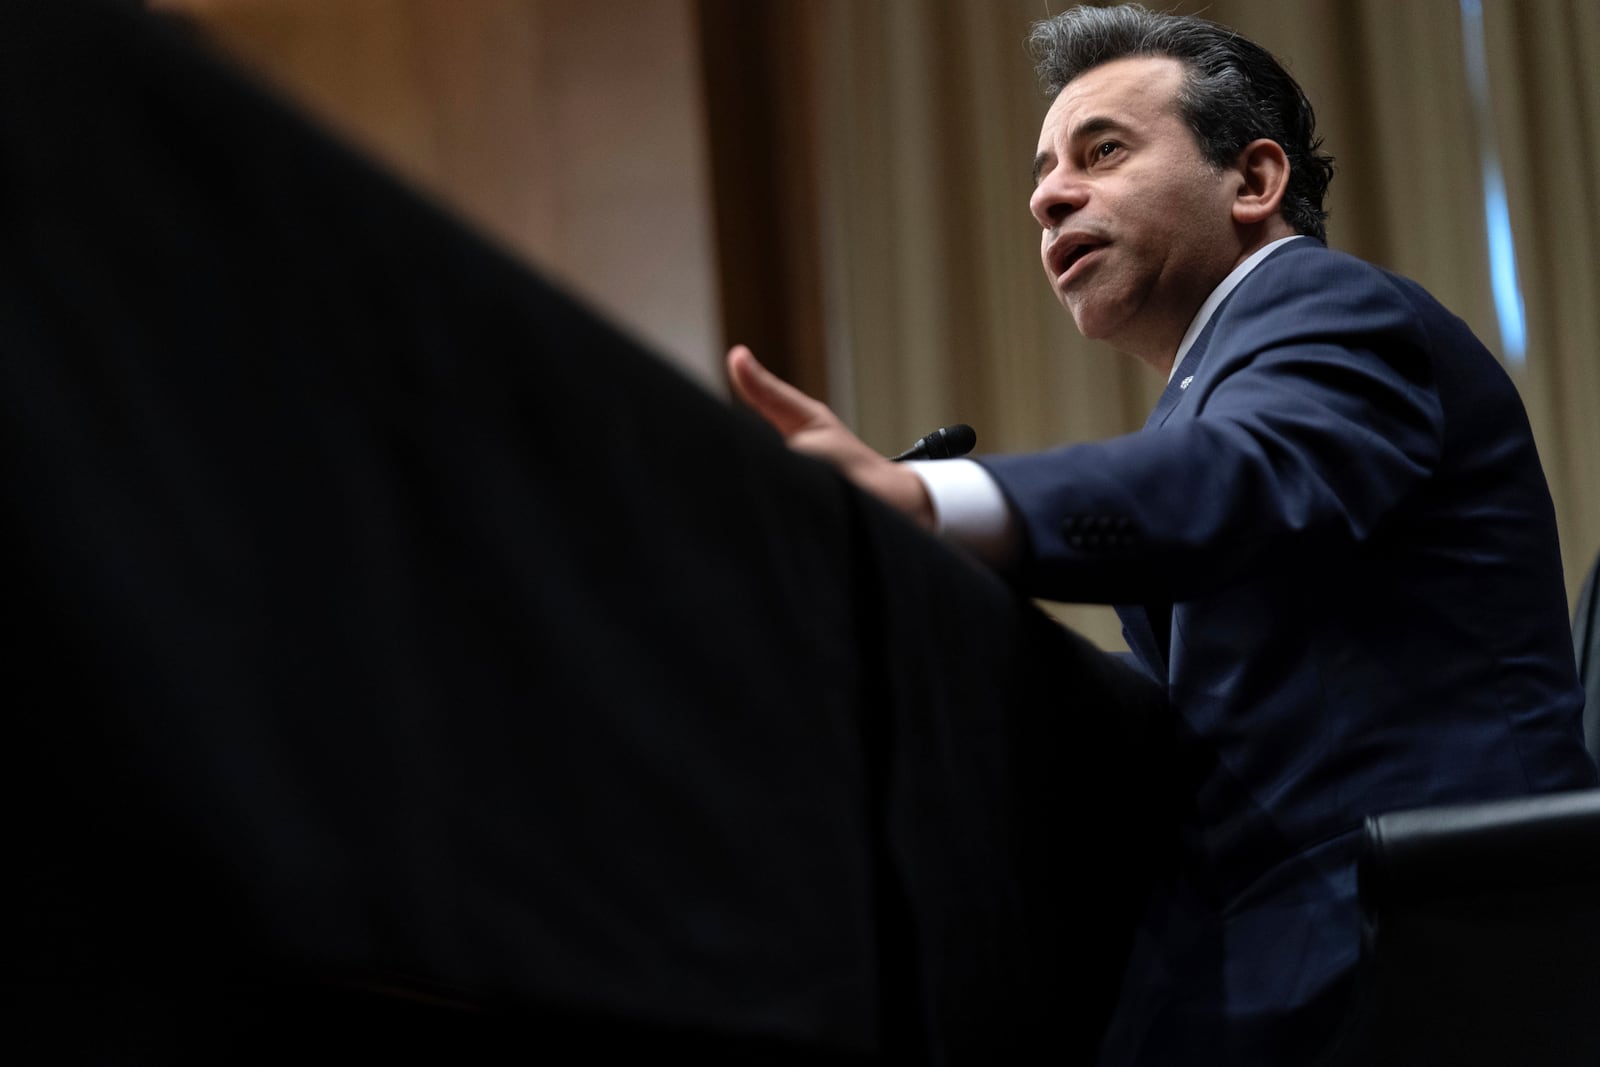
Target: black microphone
944, 443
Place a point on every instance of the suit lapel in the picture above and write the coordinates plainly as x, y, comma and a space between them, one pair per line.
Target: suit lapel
1170, 396
1178, 387
1148, 627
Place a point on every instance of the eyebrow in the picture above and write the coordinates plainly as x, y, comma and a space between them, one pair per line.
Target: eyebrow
1087, 128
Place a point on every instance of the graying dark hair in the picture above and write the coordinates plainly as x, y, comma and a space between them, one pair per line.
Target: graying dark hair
1233, 91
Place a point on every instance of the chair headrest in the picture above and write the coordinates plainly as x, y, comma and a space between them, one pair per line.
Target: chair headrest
1463, 849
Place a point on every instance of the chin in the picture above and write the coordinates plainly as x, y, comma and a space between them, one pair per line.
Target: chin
1104, 316
1096, 327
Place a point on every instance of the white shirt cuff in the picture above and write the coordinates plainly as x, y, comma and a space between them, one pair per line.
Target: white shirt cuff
969, 508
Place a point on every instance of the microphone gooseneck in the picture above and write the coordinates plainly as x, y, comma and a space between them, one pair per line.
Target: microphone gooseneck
946, 442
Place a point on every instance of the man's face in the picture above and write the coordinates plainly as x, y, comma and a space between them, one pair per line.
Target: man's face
1137, 224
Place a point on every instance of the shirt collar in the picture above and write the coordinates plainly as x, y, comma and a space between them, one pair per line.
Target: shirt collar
1219, 294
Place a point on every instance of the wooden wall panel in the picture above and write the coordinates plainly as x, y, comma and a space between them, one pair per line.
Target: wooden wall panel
570, 132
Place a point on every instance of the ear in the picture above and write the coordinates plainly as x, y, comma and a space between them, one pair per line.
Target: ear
1263, 170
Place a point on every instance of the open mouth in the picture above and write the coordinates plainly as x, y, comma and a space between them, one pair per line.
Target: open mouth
1069, 255
1075, 253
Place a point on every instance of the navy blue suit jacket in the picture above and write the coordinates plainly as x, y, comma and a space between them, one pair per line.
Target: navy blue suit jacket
1334, 541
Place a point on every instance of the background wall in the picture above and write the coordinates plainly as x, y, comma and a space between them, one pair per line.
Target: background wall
843, 183
571, 132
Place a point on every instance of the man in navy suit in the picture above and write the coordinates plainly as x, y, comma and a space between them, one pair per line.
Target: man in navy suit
1333, 539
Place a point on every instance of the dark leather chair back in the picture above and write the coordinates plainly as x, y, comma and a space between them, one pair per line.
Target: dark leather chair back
1483, 936
1586, 645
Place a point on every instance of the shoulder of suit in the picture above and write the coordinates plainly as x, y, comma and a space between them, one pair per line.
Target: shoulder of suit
1306, 282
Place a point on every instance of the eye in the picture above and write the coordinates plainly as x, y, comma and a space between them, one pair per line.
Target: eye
1104, 150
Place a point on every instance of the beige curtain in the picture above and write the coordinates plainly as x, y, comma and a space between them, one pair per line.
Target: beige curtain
1547, 116
927, 127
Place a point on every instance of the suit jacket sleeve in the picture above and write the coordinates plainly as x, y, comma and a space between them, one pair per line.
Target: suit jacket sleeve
1311, 416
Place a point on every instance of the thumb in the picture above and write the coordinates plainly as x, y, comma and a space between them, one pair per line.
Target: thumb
785, 407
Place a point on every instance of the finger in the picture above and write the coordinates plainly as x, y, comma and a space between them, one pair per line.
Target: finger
787, 408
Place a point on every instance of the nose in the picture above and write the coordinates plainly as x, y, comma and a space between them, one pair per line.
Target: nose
1057, 195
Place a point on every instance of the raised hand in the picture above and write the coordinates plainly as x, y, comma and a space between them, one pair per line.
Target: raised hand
810, 427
